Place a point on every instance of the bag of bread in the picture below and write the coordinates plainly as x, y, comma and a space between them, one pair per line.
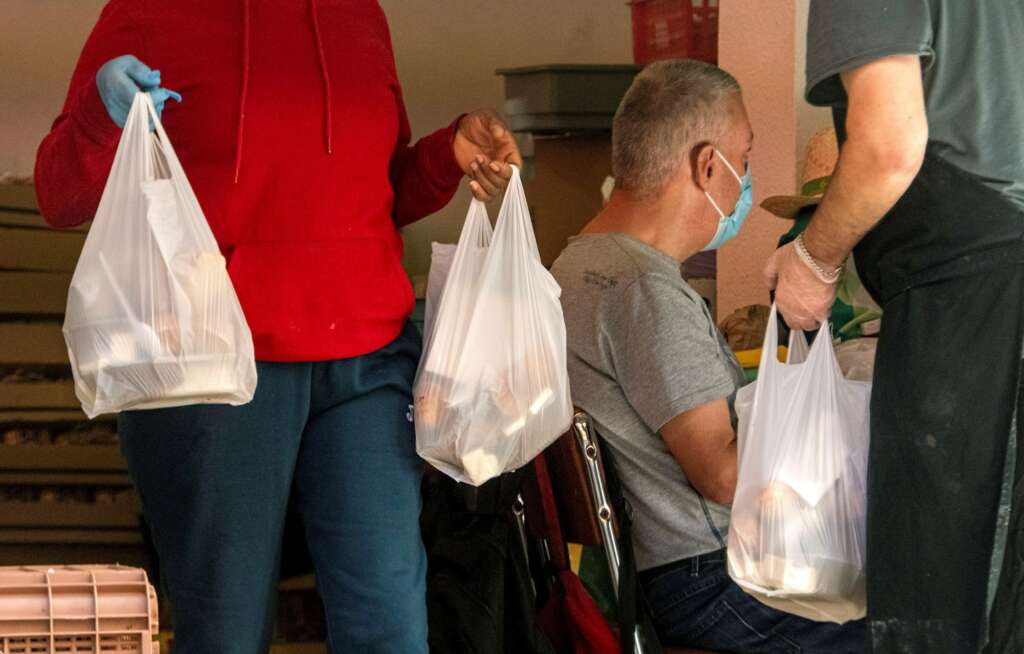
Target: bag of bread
492, 389
152, 319
797, 534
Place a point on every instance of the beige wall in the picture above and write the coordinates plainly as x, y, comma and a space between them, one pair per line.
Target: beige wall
446, 51
763, 45
39, 44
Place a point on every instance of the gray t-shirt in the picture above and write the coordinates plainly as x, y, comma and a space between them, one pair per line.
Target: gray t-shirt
642, 350
973, 81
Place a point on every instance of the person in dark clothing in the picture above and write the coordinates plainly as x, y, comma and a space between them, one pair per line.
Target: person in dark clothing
928, 195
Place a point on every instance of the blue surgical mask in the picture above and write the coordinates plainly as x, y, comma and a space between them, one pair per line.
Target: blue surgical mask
729, 226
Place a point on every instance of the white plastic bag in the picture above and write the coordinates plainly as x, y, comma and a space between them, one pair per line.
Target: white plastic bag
856, 358
152, 318
492, 390
797, 535
441, 257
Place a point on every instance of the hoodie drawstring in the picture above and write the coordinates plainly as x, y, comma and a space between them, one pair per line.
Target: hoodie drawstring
328, 117
246, 48
245, 89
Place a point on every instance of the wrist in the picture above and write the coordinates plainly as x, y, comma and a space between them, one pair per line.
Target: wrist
461, 148
444, 152
91, 115
826, 253
827, 273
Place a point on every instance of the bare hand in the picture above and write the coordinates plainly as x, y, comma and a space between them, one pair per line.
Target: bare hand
486, 151
802, 299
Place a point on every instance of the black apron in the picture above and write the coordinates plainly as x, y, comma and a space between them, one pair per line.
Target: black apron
945, 568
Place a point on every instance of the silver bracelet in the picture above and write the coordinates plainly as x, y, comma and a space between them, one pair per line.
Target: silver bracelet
816, 268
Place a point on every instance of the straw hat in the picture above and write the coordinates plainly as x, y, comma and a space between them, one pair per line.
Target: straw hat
820, 158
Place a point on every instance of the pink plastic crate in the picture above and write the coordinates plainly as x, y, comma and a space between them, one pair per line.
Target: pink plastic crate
668, 29
77, 609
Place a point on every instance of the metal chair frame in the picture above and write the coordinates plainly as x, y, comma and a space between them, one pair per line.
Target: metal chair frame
590, 447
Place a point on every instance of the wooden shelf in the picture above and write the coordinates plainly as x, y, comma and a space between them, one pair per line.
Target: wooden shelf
27, 218
36, 265
37, 293
58, 551
39, 249
74, 478
64, 537
62, 458
70, 516
38, 395
18, 196
51, 417
32, 343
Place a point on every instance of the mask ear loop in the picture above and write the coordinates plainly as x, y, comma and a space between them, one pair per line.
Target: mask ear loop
732, 170
729, 166
714, 204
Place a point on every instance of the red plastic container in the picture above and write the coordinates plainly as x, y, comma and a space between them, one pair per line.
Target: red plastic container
667, 29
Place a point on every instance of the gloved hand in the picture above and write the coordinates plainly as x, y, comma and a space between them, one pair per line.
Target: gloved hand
121, 78
802, 299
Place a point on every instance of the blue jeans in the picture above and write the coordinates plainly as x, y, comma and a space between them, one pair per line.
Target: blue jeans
215, 483
696, 604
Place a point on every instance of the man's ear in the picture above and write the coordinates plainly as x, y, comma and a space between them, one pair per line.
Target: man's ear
702, 161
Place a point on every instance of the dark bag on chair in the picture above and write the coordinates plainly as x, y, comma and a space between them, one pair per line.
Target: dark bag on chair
480, 598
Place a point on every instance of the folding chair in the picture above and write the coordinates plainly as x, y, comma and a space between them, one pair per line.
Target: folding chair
581, 488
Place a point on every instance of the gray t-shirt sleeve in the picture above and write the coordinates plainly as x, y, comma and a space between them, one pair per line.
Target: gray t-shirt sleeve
664, 350
845, 34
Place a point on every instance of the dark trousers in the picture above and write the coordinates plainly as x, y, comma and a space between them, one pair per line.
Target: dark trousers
695, 604
944, 412
945, 564
215, 483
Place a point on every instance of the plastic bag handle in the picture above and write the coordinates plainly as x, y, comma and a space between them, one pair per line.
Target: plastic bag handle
142, 112
514, 224
822, 347
769, 349
477, 225
799, 350
164, 142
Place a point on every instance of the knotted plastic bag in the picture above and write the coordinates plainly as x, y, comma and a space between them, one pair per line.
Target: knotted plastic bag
797, 535
152, 318
492, 389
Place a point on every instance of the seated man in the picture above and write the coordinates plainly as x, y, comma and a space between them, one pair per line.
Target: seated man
647, 363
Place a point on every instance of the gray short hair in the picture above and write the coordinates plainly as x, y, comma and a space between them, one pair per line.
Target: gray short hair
672, 106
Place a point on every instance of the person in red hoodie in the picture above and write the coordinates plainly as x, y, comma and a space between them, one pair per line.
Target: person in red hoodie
291, 128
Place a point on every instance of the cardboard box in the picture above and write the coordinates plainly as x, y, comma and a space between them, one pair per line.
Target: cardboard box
564, 188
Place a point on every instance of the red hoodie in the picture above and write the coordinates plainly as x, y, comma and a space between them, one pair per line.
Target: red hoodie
294, 136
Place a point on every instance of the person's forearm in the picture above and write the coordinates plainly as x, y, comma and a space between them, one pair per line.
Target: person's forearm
717, 484
74, 160
425, 176
861, 192
887, 132
703, 443
730, 475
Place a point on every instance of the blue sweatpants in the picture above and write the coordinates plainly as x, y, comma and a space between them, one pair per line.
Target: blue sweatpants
215, 483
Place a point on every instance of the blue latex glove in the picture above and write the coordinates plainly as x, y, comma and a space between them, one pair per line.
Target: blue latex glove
121, 78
